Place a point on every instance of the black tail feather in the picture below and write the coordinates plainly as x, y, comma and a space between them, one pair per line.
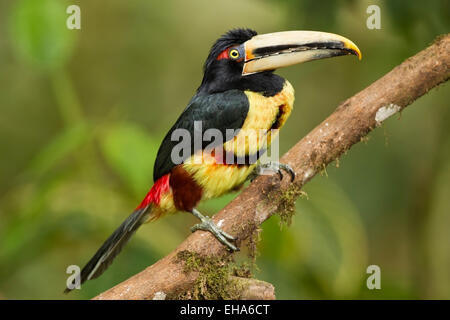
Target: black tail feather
112, 246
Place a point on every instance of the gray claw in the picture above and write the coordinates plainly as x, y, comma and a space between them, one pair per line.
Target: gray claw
280, 174
277, 167
288, 169
208, 225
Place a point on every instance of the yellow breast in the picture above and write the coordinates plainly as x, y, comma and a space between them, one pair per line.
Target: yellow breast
264, 113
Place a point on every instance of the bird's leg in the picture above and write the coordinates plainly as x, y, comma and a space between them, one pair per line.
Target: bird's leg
207, 224
274, 167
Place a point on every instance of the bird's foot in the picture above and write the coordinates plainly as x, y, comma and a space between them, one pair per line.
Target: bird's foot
207, 224
273, 166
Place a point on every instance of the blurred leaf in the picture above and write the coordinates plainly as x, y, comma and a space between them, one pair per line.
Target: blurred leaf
58, 148
26, 219
39, 32
311, 14
331, 239
131, 152
67, 98
162, 236
412, 21
437, 232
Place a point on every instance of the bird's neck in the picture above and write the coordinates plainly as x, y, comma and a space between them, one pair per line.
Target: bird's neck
266, 83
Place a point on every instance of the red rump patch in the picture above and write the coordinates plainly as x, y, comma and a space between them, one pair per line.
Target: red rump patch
160, 187
223, 55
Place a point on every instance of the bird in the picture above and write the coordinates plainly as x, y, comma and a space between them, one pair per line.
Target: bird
239, 93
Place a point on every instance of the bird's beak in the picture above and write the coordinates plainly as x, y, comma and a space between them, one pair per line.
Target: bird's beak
281, 49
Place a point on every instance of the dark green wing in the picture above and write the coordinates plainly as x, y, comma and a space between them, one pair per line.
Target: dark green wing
224, 110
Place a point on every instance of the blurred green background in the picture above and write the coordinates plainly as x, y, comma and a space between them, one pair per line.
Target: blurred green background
83, 113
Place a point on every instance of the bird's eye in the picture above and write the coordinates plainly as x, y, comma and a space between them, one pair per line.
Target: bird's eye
234, 53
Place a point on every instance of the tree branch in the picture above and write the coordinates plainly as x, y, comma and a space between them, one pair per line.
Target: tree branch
255, 289
350, 122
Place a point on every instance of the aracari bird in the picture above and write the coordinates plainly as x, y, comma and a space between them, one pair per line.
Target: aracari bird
239, 91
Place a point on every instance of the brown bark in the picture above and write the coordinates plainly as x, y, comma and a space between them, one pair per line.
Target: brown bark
254, 289
350, 122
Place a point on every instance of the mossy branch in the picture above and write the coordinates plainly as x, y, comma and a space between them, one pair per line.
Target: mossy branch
348, 125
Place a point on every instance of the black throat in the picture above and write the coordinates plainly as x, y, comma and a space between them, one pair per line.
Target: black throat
266, 83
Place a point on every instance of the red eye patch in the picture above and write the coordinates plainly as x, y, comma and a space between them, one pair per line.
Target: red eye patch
223, 54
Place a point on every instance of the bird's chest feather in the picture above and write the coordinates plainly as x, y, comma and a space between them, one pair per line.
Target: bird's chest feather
265, 113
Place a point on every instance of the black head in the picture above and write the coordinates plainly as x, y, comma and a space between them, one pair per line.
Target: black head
224, 65
243, 60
